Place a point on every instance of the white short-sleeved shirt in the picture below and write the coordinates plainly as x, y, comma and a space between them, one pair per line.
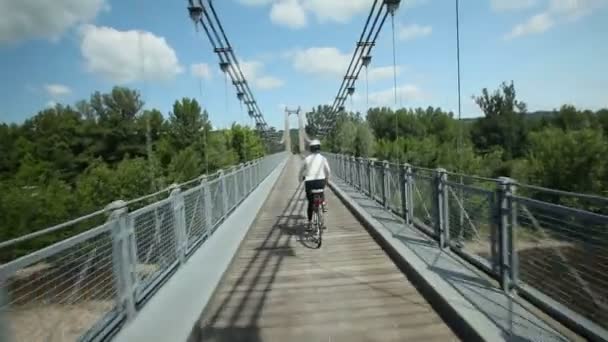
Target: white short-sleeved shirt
314, 167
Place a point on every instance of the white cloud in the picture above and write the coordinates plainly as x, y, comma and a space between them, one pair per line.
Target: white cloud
27, 19
414, 31
510, 5
269, 82
537, 24
381, 73
116, 56
201, 70
289, 13
254, 73
340, 11
56, 90
51, 104
575, 9
327, 61
405, 93
556, 12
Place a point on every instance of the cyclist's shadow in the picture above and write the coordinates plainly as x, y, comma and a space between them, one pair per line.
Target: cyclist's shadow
295, 223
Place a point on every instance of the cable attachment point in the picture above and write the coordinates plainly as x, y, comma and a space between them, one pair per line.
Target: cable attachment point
196, 14
224, 66
366, 60
392, 6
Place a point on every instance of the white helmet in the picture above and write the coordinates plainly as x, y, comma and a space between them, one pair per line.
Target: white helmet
314, 146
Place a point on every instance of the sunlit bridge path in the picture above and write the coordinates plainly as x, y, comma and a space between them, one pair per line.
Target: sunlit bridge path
278, 288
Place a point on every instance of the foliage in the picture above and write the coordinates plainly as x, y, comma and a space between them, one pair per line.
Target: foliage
563, 149
67, 161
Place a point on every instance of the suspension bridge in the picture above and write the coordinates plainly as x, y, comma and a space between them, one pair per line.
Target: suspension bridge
411, 254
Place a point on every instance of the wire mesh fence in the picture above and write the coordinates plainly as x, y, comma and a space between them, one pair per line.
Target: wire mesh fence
60, 292
155, 244
78, 287
472, 216
196, 221
422, 197
563, 252
378, 181
393, 190
552, 241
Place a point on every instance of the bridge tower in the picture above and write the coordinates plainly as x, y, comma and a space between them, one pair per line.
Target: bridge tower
302, 138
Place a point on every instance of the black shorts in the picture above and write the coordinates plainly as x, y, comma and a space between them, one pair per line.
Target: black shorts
317, 184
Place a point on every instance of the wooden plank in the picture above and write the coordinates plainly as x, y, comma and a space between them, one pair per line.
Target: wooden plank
278, 289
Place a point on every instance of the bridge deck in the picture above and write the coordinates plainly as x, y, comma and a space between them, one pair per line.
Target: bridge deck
280, 289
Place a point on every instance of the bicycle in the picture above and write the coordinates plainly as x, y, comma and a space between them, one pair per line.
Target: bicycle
317, 216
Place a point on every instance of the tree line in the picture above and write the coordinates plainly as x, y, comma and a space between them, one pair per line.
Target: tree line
67, 161
564, 149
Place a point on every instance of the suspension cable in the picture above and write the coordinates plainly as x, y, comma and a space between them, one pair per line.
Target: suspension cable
207, 121
366, 89
458, 77
395, 82
149, 152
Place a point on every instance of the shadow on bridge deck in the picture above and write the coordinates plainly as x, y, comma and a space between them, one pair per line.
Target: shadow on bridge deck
280, 289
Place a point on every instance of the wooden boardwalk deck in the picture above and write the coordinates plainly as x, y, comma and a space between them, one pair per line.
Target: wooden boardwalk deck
280, 289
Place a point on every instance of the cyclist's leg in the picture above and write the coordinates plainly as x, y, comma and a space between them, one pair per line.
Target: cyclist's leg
308, 187
324, 201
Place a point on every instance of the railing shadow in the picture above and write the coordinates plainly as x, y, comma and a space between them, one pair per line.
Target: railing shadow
232, 319
476, 290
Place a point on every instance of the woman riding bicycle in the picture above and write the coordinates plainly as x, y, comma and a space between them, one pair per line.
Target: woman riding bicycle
315, 173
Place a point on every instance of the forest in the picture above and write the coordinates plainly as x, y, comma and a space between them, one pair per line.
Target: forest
563, 149
68, 161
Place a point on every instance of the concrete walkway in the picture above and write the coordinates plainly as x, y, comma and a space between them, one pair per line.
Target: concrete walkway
279, 288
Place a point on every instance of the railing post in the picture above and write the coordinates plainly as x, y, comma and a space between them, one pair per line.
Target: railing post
206, 207
406, 189
252, 176
179, 213
5, 334
507, 221
370, 166
223, 192
235, 177
441, 207
124, 257
357, 166
384, 174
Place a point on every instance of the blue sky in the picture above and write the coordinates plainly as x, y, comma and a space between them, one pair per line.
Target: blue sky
295, 52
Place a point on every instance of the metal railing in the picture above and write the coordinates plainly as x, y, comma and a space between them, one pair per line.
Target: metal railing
547, 245
86, 285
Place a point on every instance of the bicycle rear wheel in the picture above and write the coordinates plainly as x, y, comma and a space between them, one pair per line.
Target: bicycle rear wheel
318, 231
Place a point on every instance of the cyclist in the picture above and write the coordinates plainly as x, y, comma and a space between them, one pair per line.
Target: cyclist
315, 173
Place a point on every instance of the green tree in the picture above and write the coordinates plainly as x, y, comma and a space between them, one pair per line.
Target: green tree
503, 124
186, 165
569, 160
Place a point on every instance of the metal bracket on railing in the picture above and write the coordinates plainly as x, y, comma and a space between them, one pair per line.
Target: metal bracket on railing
124, 257
507, 222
